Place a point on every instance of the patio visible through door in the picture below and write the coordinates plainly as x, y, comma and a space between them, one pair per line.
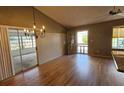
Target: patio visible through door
82, 42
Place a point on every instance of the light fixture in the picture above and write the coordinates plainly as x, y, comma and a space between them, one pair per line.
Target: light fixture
115, 11
35, 30
24, 30
43, 27
41, 30
34, 26
27, 31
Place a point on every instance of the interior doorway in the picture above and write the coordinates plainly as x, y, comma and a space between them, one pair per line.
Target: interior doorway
23, 50
82, 42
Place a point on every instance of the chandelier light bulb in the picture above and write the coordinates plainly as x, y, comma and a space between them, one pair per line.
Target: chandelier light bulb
33, 31
34, 26
43, 27
27, 31
41, 30
24, 30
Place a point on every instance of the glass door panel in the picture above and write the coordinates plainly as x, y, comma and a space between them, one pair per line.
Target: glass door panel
15, 50
28, 50
82, 42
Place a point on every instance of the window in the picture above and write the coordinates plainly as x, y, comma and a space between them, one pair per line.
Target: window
118, 38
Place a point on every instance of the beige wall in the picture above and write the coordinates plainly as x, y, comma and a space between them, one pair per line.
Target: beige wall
22, 16
52, 46
49, 47
100, 36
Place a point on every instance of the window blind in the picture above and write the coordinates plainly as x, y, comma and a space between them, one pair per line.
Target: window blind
118, 38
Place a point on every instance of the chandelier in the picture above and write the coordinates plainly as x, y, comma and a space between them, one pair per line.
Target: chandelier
35, 31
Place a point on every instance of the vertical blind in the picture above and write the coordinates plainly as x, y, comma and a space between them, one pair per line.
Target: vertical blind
5, 59
72, 42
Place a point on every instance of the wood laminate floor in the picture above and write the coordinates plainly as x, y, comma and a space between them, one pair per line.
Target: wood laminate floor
71, 70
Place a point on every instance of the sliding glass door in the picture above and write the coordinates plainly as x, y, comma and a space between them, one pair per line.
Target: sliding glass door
28, 50
23, 49
15, 50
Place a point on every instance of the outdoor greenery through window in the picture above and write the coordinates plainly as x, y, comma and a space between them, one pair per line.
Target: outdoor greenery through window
82, 37
118, 38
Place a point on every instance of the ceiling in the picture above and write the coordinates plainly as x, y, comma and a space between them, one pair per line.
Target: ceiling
72, 16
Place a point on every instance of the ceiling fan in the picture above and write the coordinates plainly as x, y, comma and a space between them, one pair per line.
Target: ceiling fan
116, 11
113, 13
